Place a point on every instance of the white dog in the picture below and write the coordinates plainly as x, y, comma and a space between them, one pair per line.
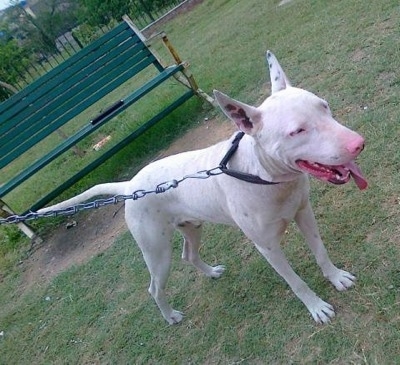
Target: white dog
290, 135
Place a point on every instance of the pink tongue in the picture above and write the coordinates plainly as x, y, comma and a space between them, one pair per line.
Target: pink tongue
357, 175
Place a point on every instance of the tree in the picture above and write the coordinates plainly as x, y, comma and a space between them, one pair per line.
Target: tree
37, 28
55, 17
27, 35
9, 68
98, 12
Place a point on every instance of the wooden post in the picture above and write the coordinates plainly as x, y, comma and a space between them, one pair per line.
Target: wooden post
6, 211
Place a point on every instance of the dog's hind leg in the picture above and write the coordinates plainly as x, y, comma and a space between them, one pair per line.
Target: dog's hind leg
154, 241
192, 241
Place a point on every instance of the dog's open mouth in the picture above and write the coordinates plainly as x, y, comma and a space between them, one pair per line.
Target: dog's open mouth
334, 174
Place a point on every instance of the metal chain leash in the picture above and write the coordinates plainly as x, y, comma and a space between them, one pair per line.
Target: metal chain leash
138, 194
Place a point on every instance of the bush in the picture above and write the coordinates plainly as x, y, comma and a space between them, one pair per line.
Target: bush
9, 68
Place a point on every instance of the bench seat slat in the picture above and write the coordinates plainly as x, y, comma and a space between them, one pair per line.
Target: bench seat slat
71, 108
33, 87
75, 92
85, 66
48, 92
89, 128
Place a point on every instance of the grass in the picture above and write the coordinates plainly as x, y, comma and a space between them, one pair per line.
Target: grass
100, 312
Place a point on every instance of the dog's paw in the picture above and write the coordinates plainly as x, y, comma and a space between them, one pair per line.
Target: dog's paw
341, 280
322, 312
217, 271
175, 317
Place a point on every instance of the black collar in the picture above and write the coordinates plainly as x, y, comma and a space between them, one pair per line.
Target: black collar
237, 174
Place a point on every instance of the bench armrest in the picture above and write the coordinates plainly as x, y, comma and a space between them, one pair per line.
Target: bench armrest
188, 79
151, 40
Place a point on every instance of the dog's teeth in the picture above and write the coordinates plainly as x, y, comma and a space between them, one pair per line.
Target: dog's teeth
317, 165
320, 167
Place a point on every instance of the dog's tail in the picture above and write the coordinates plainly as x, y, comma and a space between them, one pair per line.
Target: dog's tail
101, 189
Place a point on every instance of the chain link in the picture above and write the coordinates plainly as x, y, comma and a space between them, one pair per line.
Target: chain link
138, 194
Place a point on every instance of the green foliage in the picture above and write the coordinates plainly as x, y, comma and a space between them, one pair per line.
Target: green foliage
29, 39
86, 33
98, 13
9, 69
12, 245
12, 235
51, 23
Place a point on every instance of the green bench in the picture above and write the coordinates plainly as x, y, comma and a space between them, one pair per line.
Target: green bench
85, 78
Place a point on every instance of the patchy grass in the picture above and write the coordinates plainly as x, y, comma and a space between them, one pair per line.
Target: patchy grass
100, 312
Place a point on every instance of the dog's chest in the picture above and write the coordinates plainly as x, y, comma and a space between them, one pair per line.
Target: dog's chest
270, 203
290, 194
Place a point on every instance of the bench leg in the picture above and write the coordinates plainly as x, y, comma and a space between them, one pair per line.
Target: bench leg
5, 211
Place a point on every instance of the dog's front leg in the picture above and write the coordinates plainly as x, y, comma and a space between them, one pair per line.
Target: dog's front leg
305, 220
268, 243
321, 311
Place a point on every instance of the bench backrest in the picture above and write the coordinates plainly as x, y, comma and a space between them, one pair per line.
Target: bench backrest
64, 92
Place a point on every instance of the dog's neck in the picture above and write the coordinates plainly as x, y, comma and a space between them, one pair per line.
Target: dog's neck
266, 167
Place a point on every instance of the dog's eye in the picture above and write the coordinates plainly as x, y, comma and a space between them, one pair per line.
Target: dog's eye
297, 131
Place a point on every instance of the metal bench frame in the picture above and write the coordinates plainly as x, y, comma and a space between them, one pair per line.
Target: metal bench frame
57, 97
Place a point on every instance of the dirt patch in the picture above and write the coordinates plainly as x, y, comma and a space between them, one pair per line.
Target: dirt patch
93, 232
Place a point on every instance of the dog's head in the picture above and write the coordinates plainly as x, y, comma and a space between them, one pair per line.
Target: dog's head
295, 129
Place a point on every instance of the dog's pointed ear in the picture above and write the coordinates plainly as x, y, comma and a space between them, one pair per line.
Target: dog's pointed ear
279, 81
246, 117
